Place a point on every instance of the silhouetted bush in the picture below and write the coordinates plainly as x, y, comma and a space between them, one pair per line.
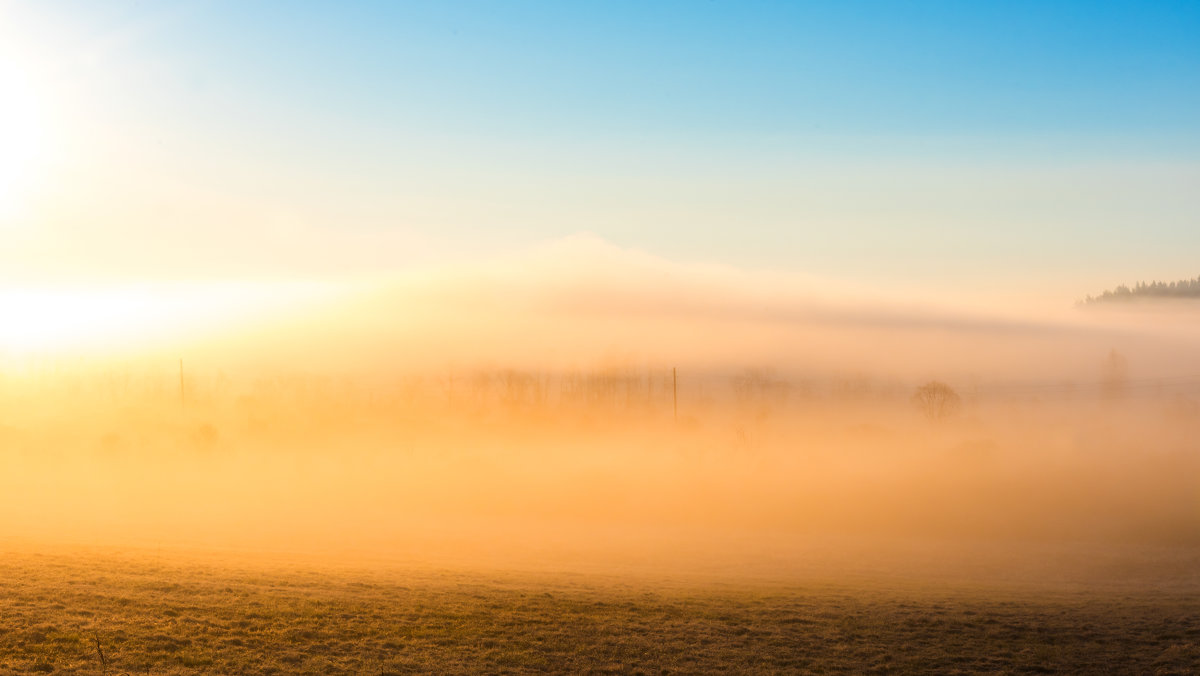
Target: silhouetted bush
936, 400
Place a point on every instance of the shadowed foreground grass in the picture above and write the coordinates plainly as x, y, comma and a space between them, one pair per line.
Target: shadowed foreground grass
59, 610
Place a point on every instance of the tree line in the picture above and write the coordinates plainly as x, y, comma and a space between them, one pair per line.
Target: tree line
1184, 288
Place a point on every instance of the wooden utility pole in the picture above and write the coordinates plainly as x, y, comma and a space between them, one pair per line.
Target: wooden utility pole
675, 393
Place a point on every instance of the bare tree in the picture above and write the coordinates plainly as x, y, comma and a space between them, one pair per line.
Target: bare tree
936, 400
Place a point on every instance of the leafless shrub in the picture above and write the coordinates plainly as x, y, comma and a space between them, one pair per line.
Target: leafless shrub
937, 400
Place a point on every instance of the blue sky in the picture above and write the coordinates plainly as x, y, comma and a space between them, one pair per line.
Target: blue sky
685, 68
929, 142
697, 68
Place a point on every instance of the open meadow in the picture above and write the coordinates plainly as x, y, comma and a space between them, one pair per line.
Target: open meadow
653, 337
511, 522
87, 611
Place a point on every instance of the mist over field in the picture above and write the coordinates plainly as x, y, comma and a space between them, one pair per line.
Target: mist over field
526, 413
656, 337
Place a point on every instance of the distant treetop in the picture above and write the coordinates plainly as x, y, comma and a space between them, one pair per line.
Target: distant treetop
1186, 288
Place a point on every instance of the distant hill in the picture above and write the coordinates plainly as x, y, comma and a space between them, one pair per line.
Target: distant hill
1184, 288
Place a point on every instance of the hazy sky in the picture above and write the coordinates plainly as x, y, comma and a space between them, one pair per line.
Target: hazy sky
1024, 145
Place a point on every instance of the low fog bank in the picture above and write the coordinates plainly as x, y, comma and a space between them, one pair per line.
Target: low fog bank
582, 303
608, 408
590, 469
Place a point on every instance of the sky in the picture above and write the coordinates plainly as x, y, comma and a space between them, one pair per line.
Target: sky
1043, 150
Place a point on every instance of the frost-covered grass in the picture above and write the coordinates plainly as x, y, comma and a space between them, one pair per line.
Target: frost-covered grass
59, 609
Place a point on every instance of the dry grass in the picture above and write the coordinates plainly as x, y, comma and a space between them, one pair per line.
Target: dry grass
176, 615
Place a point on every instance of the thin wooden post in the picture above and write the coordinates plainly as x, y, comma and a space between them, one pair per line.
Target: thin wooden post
675, 393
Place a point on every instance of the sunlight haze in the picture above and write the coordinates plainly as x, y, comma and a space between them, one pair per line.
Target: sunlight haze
621, 337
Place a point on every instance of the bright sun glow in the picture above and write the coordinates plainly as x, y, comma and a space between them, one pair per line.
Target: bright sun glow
62, 320
21, 138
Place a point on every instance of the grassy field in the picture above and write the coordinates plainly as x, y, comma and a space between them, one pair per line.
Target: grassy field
104, 612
